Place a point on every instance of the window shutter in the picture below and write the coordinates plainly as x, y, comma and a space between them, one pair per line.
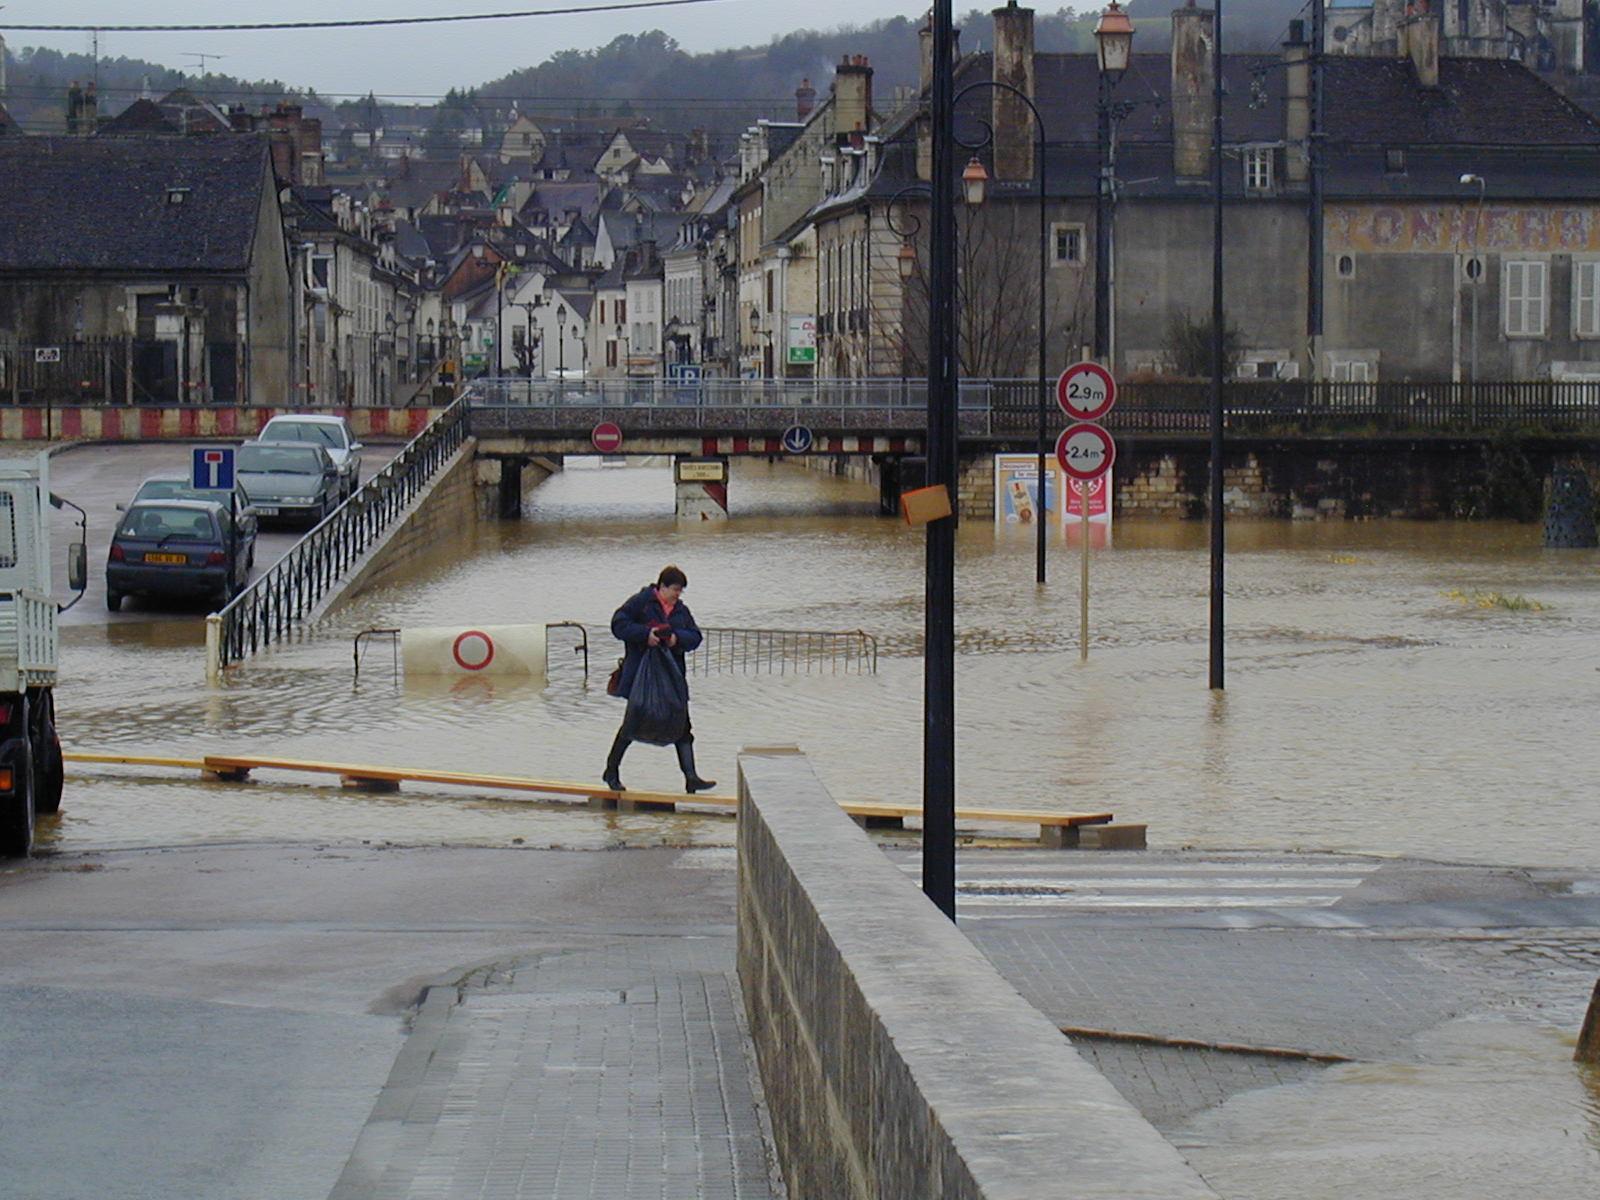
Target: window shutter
1585, 310
1516, 290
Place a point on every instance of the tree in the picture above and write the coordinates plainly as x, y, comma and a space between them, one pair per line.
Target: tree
997, 296
1189, 349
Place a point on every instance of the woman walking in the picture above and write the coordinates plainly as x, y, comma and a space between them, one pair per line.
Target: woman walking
655, 616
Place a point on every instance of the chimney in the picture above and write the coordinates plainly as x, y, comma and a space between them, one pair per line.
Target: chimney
1420, 33
805, 99
1297, 104
1014, 133
1192, 81
852, 94
311, 156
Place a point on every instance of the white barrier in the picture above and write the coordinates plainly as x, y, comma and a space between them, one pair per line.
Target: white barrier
474, 650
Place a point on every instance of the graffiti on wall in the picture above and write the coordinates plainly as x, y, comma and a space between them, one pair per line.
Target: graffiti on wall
1452, 228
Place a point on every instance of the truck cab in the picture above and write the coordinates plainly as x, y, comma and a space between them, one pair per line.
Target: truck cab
31, 774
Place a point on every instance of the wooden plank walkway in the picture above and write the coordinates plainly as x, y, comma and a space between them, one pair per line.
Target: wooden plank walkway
1055, 829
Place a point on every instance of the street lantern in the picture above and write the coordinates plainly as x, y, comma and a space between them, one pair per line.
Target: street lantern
1113, 36
974, 182
755, 320
906, 259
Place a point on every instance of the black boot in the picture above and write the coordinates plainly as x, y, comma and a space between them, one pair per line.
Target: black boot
692, 782
613, 774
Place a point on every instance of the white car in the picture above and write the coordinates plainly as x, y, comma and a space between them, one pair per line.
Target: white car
331, 433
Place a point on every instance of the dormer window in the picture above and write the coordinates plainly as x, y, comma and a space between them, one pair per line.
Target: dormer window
177, 195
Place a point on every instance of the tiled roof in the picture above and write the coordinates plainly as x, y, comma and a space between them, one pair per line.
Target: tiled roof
103, 204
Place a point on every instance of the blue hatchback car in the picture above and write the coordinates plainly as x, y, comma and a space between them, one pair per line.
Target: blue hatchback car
178, 548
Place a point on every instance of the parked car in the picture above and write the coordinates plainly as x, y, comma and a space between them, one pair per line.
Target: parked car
177, 548
288, 481
176, 485
331, 433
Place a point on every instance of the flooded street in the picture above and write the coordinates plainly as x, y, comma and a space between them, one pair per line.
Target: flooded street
1379, 697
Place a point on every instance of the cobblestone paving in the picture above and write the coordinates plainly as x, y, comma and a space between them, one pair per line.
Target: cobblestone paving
617, 1073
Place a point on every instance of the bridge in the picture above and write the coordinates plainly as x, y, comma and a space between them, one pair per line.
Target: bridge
858, 416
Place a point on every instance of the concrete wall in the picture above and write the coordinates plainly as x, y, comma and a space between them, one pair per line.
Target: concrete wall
446, 506
897, 1063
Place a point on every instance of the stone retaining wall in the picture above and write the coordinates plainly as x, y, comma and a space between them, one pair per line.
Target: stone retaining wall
897, 1063
441, 511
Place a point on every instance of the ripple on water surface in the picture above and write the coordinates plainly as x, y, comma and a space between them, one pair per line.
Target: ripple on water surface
1368, 709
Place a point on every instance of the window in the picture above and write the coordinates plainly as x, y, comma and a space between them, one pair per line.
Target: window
1524, 291
771, 275
602, 312
1258, 170
1394, 162
1586, 299
611, 353
1066, 245
1348, 371
622, 312
1346, 266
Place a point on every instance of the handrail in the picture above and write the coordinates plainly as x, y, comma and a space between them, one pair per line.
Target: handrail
286, 593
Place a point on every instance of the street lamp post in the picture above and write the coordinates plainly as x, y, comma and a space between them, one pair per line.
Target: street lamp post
939, 642
1216, 675
561, 343
973, 181
1113, 36
1475, 281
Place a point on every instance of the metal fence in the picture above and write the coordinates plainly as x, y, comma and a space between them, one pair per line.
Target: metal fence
784, 652
1010, 407
120, 370
286, 593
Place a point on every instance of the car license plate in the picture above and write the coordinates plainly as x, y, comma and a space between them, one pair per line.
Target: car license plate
175, 559
266, 510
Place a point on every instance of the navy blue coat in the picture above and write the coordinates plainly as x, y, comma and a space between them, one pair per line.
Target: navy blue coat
631, 625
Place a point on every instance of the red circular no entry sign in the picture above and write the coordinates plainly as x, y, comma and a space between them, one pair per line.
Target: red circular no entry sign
607, 437
473, 650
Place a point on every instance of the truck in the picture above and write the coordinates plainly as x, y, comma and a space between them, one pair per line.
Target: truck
31, 771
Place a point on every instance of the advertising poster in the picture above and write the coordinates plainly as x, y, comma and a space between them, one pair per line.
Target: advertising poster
1016, 489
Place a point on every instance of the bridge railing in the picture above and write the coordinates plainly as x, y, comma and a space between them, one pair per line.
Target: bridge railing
1010, 407
285, 594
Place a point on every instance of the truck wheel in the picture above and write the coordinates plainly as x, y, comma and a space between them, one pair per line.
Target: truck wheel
52, 776
113, 600
16, 814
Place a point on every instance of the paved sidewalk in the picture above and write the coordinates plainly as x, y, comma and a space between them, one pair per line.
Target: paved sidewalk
615, 1073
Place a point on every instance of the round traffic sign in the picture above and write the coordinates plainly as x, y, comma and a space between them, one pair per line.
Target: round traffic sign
1086, 391
1085, 451
797, 439
473, 650
607, 437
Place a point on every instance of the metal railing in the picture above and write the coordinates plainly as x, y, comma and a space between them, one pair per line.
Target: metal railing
285, 594
784, 652
1002, 408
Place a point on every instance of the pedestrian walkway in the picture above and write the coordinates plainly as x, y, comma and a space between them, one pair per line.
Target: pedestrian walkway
617, 1073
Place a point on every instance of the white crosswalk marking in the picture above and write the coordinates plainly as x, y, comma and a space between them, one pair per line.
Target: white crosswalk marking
1206, 885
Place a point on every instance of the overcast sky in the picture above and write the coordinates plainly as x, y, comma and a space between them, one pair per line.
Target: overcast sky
424, 59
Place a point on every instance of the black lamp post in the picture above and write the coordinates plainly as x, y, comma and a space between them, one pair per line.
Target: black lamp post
974, 181
561, 343
532, 336
1113, 36
1216, 675
939, 643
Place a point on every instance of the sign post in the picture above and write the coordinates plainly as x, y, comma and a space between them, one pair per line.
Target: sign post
1086, 392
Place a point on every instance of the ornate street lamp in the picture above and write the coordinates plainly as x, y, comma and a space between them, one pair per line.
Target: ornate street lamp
975, 184
1113, 36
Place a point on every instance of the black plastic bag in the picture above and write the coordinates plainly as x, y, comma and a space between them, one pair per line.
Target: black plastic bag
658, 702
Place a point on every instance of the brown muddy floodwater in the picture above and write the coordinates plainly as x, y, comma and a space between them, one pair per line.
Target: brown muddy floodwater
1374, 703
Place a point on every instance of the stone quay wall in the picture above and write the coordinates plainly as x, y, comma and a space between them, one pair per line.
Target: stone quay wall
895, 1060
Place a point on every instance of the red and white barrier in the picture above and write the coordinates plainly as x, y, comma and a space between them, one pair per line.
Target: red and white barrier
474, 650
70, 423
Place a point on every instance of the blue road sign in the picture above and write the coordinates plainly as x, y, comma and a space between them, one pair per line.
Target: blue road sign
213, 468
684, 372
797, 439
